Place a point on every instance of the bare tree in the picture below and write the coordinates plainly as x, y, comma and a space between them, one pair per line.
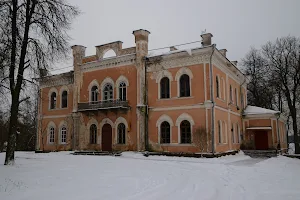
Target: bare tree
274, 72
35, 32
202, 139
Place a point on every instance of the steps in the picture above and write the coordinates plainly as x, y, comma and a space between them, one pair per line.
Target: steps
261, 153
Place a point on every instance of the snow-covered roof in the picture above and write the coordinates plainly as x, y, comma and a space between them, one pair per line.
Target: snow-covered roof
254, 110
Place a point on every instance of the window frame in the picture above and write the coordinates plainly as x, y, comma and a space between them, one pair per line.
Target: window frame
122, 87
94, 94
186, 85
165, 133
121, 131
93, 133
164, 88
63, 135
108, 93
218, 87
64, 100
53, 101
187, 130
51, 135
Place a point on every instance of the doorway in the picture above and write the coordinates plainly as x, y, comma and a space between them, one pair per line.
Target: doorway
106, 137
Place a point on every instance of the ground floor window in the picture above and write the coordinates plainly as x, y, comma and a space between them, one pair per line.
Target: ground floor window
185, 130
121, 133
165, 132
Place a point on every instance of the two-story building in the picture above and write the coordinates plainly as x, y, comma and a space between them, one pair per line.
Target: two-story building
167, 102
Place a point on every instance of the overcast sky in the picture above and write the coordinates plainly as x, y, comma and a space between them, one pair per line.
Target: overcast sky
236, 25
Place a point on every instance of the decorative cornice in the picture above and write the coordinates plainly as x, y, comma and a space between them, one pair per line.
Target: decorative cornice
57, 80
109, 63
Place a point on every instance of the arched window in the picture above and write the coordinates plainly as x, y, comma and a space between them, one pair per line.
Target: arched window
53, 100
51, 135
64, 99
164, 88
122, 91
220, 131
63, 135
218, 87
230, 93
93, 134
232, 133
94, 94
165, 133
108, 92
185, 86
121, 133
185, 130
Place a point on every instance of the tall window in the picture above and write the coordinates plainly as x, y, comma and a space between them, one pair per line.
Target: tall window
185, 130
242, 100
218, 87
94, 94
63, 134
232, 133
108, 92
121, 133
236, 96
53, 100
230, 93
93, 134
122, 91
220, 131
185, 86
238, 133
164, 88
51, 135
64, 99
165, 132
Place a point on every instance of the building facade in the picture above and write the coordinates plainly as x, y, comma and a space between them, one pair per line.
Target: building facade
181, 101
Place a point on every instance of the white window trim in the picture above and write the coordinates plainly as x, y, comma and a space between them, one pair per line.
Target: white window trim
62, 89
50, 125
161, 75
60, 130
160, 120
106, 81
90, 122
49, 98
61, 125
118, 121
118, 82
180, 72
92, 84
182, 117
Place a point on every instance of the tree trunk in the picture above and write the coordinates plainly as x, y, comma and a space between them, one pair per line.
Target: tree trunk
295, 129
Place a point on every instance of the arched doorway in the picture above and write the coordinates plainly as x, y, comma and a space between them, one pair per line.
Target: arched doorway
106, 137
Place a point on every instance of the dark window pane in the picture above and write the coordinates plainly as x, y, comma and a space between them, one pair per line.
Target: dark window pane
185, 129
165, 132
184, 86
121, 133
93, 134
64, 99
164, 88
53, 100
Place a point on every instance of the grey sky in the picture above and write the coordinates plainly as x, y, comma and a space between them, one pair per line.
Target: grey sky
235, 24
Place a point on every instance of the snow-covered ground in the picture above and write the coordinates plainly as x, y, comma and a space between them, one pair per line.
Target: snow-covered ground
135, 177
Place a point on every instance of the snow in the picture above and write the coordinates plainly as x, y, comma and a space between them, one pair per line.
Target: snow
153, 54
258, 110
133, 177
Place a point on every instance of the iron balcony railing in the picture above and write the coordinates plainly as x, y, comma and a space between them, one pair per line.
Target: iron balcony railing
102, 105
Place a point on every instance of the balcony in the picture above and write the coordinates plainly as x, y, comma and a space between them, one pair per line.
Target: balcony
103, 105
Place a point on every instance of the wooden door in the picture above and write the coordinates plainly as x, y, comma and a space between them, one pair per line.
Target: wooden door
261, 140
106, 138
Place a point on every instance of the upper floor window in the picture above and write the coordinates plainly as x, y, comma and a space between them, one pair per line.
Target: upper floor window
64, 99
165, 132
122, 91
230, 94
108, 92
93, 134
121, 133
185, 132
185, 86
164, 88
218, 87
63, 135
53, 100
236, 96
94, 94
51, 135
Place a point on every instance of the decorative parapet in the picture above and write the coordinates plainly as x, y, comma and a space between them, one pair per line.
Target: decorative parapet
57, 80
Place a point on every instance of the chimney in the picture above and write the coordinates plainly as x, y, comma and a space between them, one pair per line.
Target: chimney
234, 62
206, 39
141, 41
78, 54
172, 48
223, 52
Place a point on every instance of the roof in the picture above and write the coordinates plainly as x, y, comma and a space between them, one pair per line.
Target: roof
254, 110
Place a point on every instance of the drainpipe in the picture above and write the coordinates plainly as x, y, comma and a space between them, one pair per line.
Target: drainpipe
146, 107
212, 101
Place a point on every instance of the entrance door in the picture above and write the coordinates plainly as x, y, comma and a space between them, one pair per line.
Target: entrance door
106, 138
261, 140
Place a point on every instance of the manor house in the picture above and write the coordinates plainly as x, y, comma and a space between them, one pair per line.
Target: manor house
166, 102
